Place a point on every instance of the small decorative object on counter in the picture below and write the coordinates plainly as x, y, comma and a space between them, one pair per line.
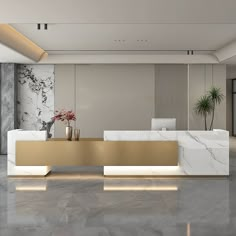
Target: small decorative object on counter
76, 134
67, 117
69, 131
47, 126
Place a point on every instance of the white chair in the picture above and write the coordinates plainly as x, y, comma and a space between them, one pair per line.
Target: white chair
23, 135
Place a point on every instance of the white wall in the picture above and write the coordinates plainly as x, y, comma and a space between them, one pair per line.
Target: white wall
201, 78
230, 75
231, 72
64, 93
114, 97
126, 97
171, 93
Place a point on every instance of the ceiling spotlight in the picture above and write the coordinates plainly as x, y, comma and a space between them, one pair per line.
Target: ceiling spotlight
45, 26
190, 52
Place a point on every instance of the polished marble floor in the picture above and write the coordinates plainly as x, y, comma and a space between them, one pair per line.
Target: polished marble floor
81, 202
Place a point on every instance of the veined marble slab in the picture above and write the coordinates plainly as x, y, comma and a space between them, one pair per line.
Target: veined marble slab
23, 135
200, 152
8, 102
35, 102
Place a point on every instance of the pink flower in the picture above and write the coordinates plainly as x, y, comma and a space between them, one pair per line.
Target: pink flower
64, 115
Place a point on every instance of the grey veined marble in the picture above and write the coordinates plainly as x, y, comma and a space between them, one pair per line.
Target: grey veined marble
82, 202
8, 102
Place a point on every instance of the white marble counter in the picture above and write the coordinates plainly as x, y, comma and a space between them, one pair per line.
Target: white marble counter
23, 135
200, 152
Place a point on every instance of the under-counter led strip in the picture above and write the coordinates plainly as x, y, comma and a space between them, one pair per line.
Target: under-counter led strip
140, 188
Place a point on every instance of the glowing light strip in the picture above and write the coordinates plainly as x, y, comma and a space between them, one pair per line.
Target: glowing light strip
31, 188
188, 229
73, 177
140, 188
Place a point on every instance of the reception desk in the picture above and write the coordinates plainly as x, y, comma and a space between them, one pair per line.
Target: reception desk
200, 153
125, 153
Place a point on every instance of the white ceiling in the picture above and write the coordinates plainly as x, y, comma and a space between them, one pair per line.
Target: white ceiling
8, 55
118, 26
130, 36
118, 11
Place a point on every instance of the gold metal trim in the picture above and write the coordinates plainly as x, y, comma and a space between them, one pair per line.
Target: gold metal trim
96, 153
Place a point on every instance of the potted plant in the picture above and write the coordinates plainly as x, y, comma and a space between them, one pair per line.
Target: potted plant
203, 107
206, 104
216, 97
66, 117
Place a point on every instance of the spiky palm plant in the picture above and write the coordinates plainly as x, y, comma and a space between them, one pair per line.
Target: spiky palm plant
204, 107
216, 97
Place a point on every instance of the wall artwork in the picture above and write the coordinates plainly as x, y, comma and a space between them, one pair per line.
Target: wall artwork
35, 99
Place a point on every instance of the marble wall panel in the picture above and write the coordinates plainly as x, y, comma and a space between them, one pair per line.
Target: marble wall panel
8, 102
35, 101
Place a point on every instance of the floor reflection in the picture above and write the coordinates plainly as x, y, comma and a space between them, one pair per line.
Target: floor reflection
188, 233
31, 185
65, 204
133, 185
113, 199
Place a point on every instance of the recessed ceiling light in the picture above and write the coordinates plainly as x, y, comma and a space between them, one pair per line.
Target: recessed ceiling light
120, 40
142, 40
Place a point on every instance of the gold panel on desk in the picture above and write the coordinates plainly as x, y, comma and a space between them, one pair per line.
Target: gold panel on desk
92, 152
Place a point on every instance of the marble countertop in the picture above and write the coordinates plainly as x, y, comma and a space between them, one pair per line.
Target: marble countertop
200, 152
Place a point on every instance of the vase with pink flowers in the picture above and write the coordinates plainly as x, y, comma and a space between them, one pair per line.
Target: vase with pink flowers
66, 117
